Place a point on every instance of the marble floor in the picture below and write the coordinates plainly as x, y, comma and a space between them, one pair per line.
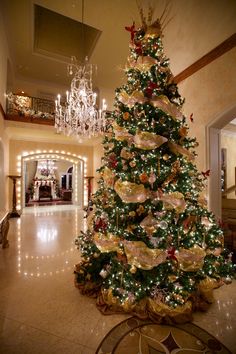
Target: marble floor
40, 309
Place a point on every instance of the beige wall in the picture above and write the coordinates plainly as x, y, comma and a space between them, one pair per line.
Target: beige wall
209, 93
98, 154
228, 142
4, 156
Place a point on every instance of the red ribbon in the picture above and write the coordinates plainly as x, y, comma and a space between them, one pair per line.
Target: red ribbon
131, 30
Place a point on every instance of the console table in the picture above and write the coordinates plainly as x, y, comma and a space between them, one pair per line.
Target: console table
4, 226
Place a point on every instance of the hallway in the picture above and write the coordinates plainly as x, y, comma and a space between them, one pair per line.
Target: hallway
40, 309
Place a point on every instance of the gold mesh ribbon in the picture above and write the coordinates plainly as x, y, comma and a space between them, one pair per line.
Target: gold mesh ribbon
148, 141
159, 308
180, 150
140, 256
166, 106
131, 192
143, 63
206, 287
108, 177
108, 303
121, 133
174, 200
191, 259
106, 242
130, 100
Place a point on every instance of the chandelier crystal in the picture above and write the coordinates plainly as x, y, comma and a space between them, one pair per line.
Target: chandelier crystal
78, 116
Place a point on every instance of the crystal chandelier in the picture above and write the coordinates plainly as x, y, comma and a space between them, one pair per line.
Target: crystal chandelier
78, 116
46, 167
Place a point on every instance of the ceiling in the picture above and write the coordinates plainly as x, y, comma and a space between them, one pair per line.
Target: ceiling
43, 34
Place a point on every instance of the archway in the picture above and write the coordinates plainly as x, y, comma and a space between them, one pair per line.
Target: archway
213, 134
78, 162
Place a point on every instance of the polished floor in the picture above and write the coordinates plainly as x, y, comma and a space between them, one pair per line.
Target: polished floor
40, 309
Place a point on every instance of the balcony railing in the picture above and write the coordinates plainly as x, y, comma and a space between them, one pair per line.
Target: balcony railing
30, 109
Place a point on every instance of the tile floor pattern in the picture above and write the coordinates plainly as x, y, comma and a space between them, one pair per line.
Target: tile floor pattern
40, 309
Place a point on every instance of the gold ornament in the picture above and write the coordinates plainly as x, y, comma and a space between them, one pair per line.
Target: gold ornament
165, 157
131, 192
166, 106
125, 154
133, 269
192, 259
148, 141
140, 256
126, 116
178, 149
132, 214
106, 242
140, 209
132, 163
131, 100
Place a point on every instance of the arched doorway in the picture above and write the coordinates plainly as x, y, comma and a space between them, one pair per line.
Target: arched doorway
214, 158
79, 172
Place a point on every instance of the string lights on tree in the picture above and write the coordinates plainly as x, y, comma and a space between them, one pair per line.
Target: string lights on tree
151, 247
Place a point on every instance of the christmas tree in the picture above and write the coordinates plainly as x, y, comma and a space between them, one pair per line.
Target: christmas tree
151, 248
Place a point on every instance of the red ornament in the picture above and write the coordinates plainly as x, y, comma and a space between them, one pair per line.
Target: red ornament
206, 174
171, 253
150, 88
100, 224
112, 161
131, 30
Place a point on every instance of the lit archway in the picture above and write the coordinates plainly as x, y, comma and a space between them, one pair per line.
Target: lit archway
79, 163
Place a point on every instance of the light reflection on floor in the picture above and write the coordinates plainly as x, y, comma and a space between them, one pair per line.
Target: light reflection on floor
40, 309
47, 259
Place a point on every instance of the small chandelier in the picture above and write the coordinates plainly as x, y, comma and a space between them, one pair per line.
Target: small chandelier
79, 116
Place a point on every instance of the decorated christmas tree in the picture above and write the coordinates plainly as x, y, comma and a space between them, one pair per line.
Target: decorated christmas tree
151, 247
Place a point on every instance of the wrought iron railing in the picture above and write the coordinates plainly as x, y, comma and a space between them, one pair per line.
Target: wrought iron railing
30, 107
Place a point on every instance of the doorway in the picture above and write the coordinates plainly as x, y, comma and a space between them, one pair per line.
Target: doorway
35, 174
